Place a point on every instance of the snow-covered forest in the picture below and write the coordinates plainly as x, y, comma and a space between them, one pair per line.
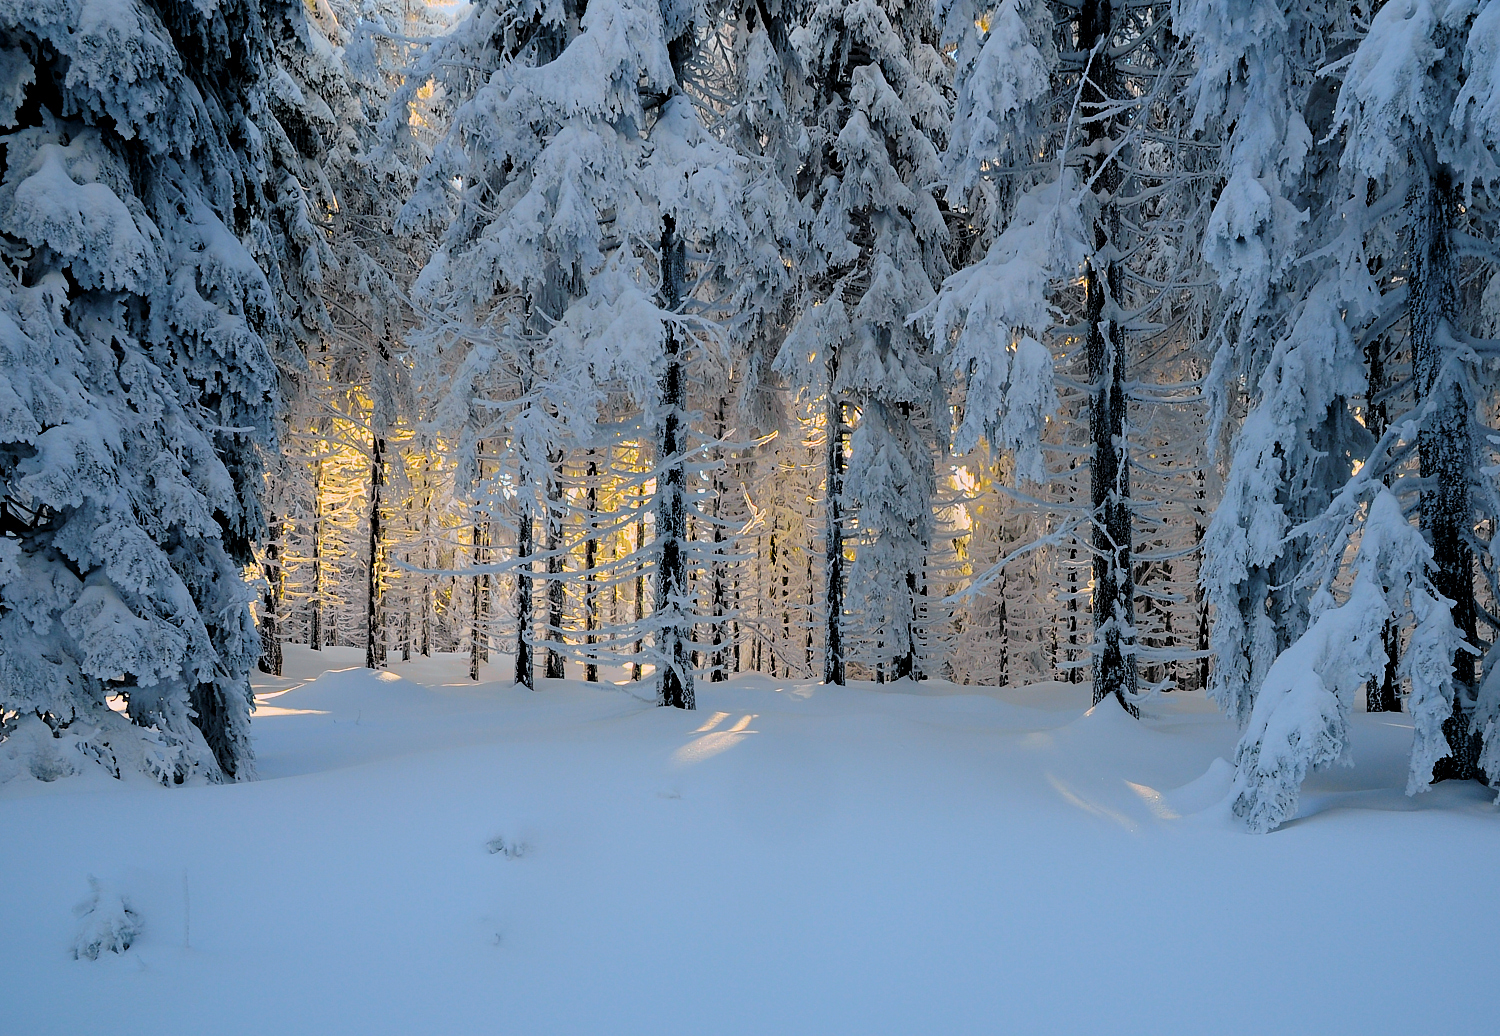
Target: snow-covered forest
1134, 358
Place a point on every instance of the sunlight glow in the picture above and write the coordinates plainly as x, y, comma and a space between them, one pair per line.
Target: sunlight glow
1154, 802
713, 721
710, 745
1102, 812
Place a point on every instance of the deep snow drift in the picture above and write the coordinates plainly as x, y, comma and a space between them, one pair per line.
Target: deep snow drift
422, 855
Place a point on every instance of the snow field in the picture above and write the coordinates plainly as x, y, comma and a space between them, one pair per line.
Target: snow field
787, 859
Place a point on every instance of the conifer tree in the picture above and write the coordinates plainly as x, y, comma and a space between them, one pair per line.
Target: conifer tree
160, 250
877, 118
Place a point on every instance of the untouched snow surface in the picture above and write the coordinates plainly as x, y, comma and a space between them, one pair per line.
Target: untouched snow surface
422, 855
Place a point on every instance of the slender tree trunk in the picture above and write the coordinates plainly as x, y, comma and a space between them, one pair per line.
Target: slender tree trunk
719, 584
758, 645
556, 590
1444, 446
834, 667
480, 538
427, 549
374, 617
525, 548
1115, 673
1382, 695
590, 562
640, 584
406, 630
315, 602
478, 632
774, 561
675, 680
1199, 597
1074, 674
270, 618
1003, 676
811, 599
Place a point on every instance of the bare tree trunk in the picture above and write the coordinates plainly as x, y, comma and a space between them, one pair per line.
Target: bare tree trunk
315, 613
556, 591
1444, 446
1002, 676
525, 665
270, 617
374, 617
718, 583
590, 562
834, 668
479, 651
430, 561
811, 599
1383, 695
1115, 672
675, 680
640, 585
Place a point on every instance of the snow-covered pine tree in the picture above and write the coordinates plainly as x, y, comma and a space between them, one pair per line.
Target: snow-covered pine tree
1414, 118
159, 246
580, 203
1279, 328
877, 118
1068, 156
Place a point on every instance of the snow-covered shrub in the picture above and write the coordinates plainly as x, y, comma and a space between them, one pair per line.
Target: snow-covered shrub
107, 923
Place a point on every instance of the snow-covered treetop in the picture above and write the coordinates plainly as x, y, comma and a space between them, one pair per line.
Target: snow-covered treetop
1421, 83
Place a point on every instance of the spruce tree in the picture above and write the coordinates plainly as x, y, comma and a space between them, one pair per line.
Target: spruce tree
160, 250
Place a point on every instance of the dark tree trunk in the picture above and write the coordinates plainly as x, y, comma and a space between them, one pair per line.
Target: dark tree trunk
834, 670
640, 588
430, 562
374, 617
1115, 673
719, 583
525, 524
1444, 447
315, 602
270, 617
556, 591
479, 651
675, 680
1382, 695
590, 563
1201, 599
1003, 674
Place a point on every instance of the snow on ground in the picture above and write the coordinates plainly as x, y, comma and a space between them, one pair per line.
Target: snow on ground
425, 855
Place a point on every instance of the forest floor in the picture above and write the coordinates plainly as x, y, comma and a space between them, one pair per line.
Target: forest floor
425, 855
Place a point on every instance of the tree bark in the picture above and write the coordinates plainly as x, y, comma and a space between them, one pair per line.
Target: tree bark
834, 666
556, 590
1382, 695
525, 524
1444, 445
590, 562
374, 618
270, 618
675, 680
315, 602
719, 585
640, 585
1115, 673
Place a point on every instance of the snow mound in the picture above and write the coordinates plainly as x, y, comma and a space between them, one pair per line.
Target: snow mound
1107, 728
1203, 792
355, 692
